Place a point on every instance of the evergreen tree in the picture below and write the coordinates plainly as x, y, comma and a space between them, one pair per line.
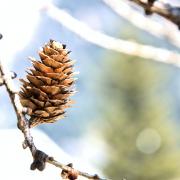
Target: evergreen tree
142, 144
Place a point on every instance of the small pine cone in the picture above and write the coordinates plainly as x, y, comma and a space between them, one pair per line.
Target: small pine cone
49, 86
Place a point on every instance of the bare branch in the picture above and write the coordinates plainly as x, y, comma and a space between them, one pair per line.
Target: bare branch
155, 28
39, 157
165, 10
1, 81
111, 43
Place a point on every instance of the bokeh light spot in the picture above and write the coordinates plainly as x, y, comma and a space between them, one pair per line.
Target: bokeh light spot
148, 141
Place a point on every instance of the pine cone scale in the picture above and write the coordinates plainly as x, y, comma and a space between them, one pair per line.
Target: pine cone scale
42, 67
35, 80
52, 63
38, 103
44, 79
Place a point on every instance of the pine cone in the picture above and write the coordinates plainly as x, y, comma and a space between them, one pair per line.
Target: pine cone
49, 86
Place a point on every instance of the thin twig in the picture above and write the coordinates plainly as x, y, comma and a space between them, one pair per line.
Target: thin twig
123, 9
23, 125
67, 168
165, 10
112, 43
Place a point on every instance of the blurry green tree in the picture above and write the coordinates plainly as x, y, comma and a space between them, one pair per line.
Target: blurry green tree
142, 144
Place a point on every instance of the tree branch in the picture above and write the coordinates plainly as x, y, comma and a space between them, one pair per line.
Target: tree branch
111, 43
39, 157
165, 10
155, 28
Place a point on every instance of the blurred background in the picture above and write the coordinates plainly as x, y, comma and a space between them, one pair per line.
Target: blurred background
125, 122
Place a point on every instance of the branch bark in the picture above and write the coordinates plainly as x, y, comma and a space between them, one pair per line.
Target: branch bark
157, 29
165, 10
39, 157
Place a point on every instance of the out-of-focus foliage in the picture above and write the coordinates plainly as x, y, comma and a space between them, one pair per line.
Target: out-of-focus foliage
137, 126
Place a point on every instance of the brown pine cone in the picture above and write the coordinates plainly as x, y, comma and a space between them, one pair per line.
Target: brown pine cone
49, 86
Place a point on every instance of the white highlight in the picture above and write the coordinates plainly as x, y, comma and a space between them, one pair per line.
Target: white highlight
18, 22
